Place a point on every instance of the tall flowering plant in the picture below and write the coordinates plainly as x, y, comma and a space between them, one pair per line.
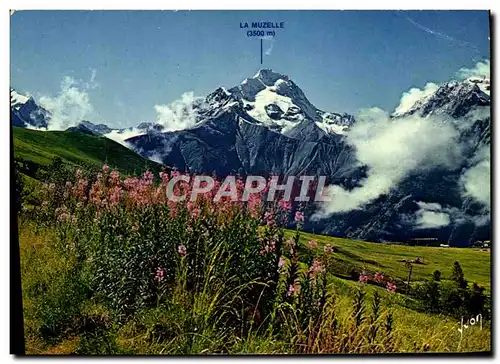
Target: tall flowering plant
136, 239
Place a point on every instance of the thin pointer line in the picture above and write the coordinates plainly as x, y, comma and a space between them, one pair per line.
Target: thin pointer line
260, 50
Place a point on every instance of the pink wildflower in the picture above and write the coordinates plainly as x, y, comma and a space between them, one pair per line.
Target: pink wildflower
316, 268
181, 249
291, 290
282, 262
269, 246
379, 277
115, 195
313, 244
285, 205
299, 216
269, 218
148, 177
115, 176
105, 168
328, 249
391, 287
363, 277
160, 272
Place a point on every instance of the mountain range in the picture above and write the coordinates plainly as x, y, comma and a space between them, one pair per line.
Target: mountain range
267, 126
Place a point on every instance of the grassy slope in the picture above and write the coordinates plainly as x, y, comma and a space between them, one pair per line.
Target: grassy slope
438, 331
42, 147
379, 257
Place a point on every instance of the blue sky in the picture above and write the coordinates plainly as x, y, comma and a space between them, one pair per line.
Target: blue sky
343, 60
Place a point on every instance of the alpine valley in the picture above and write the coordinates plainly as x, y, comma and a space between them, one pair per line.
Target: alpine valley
267, 126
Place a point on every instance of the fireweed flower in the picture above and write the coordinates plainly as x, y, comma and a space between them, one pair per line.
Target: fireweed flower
181, 249
148, 178
105, 168
316, 268
160, 272
269, 246
282, 262
363, 277
299, 216
313, 244
291, 290
328, 249
115, 195
79, 190
268, 218
379, 277
391, 287
115, 176
285, 205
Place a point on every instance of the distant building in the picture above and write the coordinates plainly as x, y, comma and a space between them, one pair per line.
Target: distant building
444, 245
482, 244
424, 241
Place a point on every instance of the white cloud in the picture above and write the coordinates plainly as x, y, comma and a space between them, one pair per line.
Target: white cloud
431, 206
392, 148
69, 107
92, 78
432, 215
415, 94
180, 114
157, 157
121, 135
481, 69
476, 180
269, 43
432, 219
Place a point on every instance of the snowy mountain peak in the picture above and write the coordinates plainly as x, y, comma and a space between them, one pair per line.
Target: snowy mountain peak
17, 99
25, 112
454, 98
276, 101
268, 77
482, 82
